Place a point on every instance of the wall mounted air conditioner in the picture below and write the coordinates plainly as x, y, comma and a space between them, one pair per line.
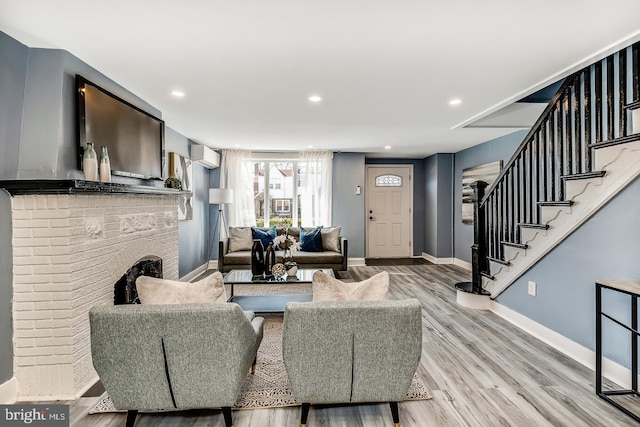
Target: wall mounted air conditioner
205, 156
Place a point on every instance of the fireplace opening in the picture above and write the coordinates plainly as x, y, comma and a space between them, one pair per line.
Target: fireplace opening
124, 290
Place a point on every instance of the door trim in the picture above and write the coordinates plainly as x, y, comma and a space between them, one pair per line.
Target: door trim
366, 204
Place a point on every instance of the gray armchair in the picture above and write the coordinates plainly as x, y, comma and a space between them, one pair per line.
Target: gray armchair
352, 351
173, 357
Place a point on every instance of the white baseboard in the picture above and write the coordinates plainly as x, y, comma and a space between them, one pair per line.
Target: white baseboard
464, 264
195, 273
610, 369
435, 260
355, 262
9, 392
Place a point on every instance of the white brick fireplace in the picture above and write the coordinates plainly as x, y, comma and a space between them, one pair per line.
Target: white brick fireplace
68, 251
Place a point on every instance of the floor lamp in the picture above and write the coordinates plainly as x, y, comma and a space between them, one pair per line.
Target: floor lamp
220, 197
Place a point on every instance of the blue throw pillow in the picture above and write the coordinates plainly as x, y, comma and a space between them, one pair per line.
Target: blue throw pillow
265, 237
311, 241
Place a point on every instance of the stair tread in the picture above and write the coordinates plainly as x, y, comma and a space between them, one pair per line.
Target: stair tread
515, 245
499, 261
615, 141
532, 225
487, 275
556, 203
584, 175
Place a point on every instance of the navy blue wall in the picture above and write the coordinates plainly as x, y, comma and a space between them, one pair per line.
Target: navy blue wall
418, 197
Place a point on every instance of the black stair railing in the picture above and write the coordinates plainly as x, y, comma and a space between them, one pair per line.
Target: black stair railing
591, 109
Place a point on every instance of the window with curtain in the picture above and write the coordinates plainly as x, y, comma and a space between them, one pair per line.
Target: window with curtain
291, 191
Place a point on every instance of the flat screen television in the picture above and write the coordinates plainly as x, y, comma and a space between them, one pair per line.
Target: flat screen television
133, 137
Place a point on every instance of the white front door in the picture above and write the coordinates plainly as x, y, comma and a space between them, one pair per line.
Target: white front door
389, 203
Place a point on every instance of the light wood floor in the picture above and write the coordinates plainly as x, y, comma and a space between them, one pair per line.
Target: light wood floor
481, 371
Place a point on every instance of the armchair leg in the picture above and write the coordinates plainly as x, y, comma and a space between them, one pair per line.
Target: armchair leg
305, 414
226, 411
131, 417
394, 414
253, 365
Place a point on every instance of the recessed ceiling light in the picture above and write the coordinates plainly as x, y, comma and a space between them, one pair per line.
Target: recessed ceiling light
455, 101
315, 98
177, 93
310, 146
387, 147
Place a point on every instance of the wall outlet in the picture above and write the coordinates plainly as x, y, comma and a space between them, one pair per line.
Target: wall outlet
533, 288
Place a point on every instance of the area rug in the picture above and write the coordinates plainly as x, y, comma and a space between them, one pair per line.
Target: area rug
269, 386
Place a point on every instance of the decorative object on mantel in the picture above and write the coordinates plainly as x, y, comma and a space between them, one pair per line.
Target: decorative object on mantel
90, 163
173, 182
105, 165
488, 173
182, 168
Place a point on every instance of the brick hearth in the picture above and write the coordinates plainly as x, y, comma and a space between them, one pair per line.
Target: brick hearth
68, 251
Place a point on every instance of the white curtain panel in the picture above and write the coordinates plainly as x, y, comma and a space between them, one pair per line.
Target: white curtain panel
236, 174
315, 190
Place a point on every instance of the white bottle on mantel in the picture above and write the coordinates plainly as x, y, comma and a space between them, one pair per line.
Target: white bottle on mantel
90, 163
105, 165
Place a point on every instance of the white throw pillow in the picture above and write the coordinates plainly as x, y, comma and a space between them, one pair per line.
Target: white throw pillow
240, 239
330, 238
160, 291
327, 288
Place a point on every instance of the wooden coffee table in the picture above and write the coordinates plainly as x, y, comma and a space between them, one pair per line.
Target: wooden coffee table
270, 303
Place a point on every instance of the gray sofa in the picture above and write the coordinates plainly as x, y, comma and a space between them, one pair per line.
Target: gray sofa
173, 357
352, 351
337, 261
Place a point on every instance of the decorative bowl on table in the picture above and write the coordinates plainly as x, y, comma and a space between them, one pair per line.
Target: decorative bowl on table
279, 270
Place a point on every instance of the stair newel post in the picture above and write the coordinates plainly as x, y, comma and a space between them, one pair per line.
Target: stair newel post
479, 248
471, 294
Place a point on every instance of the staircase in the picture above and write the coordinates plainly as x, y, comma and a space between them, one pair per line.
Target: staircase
581, 152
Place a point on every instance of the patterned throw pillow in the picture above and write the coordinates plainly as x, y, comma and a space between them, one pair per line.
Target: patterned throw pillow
240, 239
265, 237
327, 288
160, 291
311, 241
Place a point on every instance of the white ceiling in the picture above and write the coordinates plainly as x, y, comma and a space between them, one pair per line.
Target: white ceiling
386, 69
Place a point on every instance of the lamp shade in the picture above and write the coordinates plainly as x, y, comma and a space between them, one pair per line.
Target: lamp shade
220, 196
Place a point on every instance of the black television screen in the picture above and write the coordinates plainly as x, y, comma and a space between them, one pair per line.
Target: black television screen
133, 137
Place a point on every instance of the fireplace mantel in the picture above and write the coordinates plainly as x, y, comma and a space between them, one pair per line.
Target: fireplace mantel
76, 186
71, 240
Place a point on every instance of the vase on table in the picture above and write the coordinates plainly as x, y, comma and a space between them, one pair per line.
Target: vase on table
289, 263
257, 258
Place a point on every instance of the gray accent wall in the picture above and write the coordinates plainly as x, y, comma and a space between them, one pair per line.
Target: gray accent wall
38, 141
192, 234
6, 289
418, 197
13, 73
438, 205
497, 149
348, 207
605, 246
